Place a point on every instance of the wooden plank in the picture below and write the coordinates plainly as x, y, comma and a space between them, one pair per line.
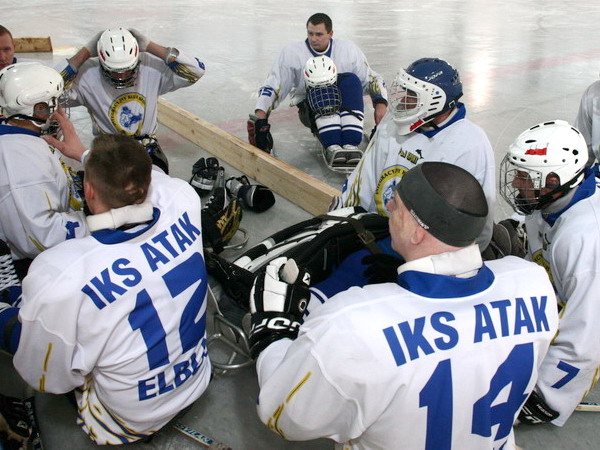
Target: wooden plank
300, 188
33, 44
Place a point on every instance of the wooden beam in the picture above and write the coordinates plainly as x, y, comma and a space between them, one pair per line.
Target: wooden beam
33, 44
300, 188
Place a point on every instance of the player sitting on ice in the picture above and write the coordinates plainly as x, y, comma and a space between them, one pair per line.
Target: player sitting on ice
336, 102
118, 317
441, 356
544, 176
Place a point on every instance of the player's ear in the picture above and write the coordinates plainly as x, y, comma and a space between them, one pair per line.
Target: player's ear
89, 191
417, 235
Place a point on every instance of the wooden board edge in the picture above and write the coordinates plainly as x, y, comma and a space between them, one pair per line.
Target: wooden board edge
33, 44
302, 189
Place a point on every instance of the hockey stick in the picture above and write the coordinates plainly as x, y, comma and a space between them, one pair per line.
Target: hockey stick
588, 406
199, 438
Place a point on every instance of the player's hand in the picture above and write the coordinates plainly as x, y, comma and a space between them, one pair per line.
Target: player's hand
141, 39
92, 45
278, 300
536, 411
381, 268
259, 133
70, 145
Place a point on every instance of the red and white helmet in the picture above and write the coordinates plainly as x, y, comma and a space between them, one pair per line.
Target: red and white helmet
547, 159
320, 71
119, 56
30, 90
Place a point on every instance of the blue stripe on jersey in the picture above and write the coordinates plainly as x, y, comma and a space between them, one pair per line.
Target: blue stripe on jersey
9, 129
443, 286
460, 114
314, 53
117, 236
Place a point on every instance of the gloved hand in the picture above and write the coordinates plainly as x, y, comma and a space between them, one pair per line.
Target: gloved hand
140, 38
278, 299
536, 410
381, 268
259, 133
92, 45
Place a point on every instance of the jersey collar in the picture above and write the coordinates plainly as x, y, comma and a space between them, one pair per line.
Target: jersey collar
11, 129
460, 113
118, 236
327, 52
584, 190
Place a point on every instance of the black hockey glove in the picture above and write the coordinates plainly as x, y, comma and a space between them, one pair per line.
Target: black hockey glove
259, 133
536, 411
278, 299
204, 175
381, 268
14, 422
256, 197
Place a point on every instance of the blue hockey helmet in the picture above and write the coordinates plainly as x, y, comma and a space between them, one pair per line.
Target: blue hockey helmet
424, 90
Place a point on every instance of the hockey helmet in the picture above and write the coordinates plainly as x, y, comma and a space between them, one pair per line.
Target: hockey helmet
119, 56
545, 160
320, 71
422, 91
30, 90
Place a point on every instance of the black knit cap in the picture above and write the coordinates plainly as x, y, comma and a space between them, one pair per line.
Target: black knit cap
446, 200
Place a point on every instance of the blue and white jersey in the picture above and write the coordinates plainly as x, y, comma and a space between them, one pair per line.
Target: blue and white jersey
432, 362
120, 316
390, 155
133, 110
567, 245
40, 205
287, 73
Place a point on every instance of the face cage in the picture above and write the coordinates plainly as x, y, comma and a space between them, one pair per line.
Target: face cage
405, 103
521, 187
324, 101
120, 83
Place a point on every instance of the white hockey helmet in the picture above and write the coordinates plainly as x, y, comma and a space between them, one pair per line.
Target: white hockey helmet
30, 90
422, 91
119, 56
320, 71
545, 160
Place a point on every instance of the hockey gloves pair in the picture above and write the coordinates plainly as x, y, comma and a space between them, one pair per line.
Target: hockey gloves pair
536, 411
278, 299
259, 133
204, 175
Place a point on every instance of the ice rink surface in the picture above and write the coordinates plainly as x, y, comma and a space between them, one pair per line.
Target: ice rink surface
521, 62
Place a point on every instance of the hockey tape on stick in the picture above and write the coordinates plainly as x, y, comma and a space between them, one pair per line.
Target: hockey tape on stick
588, 406
199, 438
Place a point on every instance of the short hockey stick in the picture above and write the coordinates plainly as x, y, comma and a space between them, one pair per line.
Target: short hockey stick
199, 438
588, 406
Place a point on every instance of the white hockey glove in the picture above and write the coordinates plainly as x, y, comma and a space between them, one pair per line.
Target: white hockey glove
536, 411
92, 45
278, 299
140, 38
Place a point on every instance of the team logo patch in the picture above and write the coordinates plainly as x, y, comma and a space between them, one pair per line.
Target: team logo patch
127, 113
386, 187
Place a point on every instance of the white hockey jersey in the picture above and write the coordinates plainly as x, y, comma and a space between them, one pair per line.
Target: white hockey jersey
588, 118
389, 155
132, 110
433, 362
39, 203
567, 245
287, 72
120, 316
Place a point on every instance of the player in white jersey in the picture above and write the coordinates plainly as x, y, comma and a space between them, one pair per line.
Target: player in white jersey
426, 122
120, 84
588, 120
544, 177
120, 316
40, 205
287, 77
444, 357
